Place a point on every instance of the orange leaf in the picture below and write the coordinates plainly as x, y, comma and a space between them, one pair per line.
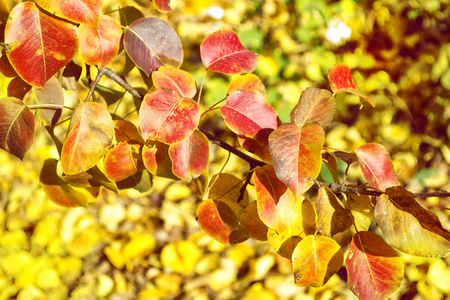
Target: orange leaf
315, 106
220, 222
99, 43
296, 155
174, 79
315, 259
88, 140
40, 45
79, 11
120, 162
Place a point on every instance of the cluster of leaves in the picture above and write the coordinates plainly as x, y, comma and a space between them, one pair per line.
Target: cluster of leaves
101, 152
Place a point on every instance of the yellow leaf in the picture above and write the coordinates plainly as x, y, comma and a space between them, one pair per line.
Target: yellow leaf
257, 291
31, 293
115, 257
177, 191
240, 253
105, 285
140, 245
14, 263
181, 256
439, 275
259, 267
48, 278
16, 239
221, 279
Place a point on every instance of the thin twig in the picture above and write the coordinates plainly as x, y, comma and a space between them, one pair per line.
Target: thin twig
252, 161
109, 73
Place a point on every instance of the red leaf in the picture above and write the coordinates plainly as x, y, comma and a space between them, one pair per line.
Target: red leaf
99, 43
120, 162
247, 113
51, 97
79, 11
175, 80
58, 190
222, 52
341, 80
18, 88
408, 226
377, 166
315, 259
16, 127
296, 155
152, 43
40, 45
162, 5
88, 140
374, 268
220, 222
167, 117
315, 106
252, 146
278, 208
247, 82
190, 157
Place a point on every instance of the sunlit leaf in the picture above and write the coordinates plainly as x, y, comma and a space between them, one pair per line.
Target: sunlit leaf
16, 127
375, 270
315, 106
222, 52
125, 131
99, 43
120, 162
248, 113
190, 157
278, 208
181, 256
40, 45
284, 242
176, 80
332, 217
408, 226
247, 82
51, 98
341, 80
167, 117
79, 11
58, 190
220, 222
377, 166
151, 43
227, 188
296, 155
88, 140
251, 221
162, 5
315, 259
361, 208
156, 159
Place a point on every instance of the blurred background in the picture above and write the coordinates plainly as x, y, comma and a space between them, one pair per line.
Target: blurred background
148, 245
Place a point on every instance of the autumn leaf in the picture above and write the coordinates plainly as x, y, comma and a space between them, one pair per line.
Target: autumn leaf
375, 270
222, 52
408, 226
